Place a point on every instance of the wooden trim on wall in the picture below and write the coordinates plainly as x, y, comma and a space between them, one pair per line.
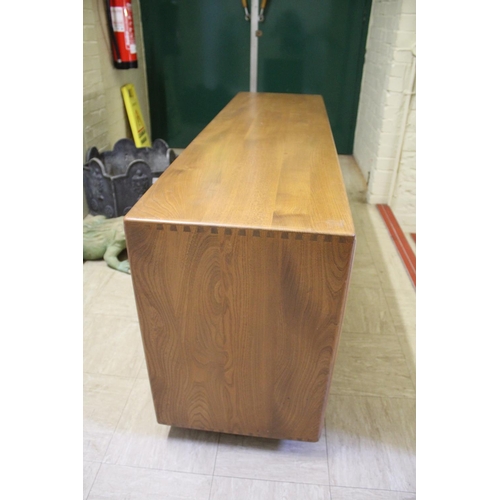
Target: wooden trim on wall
405, 251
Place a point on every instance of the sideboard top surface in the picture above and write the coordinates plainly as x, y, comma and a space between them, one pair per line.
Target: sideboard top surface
266, 161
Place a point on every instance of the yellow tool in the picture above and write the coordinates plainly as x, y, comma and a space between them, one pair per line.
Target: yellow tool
262, 7
261, 14
245, 6
141, 138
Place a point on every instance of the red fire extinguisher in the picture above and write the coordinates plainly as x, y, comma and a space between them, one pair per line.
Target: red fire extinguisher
121, 31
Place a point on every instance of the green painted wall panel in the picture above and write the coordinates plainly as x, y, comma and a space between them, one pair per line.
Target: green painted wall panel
197, 59
198, 56
317, 47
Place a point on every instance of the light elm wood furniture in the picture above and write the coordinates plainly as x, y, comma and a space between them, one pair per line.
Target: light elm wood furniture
241, 254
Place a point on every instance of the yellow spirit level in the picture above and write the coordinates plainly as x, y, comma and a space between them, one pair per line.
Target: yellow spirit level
141, 138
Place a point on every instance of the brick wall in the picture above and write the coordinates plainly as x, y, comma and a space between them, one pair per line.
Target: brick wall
104, 116
403, 203
387, 78
94, 101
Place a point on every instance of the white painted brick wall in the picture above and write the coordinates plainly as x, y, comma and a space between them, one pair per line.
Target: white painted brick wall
403, 203
94, 122
375, 84
386, 77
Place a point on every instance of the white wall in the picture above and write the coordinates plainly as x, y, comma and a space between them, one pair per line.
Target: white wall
381, 124
403, 203
104, 116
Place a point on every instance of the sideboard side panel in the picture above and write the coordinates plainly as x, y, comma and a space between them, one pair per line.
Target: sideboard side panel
240, 327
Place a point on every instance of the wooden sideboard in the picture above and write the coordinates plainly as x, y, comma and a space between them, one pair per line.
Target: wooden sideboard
241, 255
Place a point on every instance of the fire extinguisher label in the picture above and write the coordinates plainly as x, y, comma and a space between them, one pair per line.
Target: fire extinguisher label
117, 19
129, 31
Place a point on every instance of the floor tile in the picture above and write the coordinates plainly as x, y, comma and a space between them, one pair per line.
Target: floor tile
393, 276
354, 181
409, 348
371, 442
270, 459
359, 212
365, 494
143, 370
226, 488
95, 275
379, 238
364, 272
90, 470
372, 365
403, 308
357, 218
391, 269
362, 251
120, 483
367, 311
140, 441
111, 345
104, 398
115, 298
372, 221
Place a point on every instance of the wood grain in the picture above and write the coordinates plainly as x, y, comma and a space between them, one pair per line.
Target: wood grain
240, 324
267, 161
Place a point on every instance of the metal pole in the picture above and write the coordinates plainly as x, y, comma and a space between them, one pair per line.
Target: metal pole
254, 44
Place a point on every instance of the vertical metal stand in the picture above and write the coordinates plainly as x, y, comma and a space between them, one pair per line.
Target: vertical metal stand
254, 44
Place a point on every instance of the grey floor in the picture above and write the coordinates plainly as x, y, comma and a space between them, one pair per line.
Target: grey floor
366, 452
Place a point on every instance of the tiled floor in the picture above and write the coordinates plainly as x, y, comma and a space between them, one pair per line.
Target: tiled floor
366, 452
